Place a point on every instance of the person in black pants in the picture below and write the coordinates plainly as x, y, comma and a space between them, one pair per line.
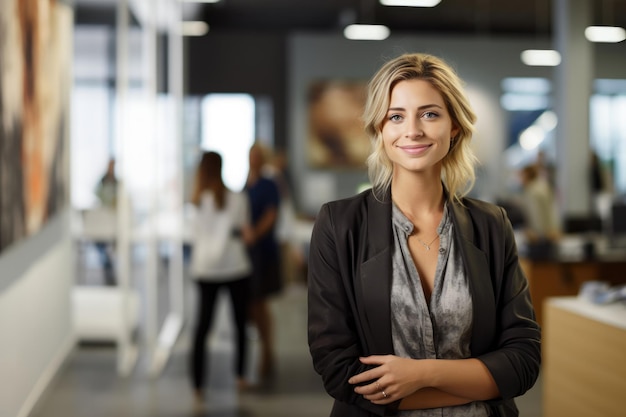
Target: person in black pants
219, 259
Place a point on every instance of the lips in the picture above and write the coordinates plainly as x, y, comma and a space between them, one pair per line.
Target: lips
415, 149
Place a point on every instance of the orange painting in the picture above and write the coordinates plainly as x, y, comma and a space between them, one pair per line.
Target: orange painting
35, 60
336, 137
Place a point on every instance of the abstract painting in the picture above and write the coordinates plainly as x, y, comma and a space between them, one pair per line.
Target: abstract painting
35, 63
336, 138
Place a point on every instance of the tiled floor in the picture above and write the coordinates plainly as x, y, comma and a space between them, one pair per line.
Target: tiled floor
88, 386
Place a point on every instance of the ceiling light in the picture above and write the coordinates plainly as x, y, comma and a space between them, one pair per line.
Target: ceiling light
526, 85
532, 137
366, 32
524, 102
194, 28
410, 3
609, 34
541, 57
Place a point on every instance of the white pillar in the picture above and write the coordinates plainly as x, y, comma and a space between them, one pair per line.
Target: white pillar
126, 349
573, 87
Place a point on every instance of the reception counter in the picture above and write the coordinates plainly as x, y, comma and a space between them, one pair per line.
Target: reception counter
563, 276
584, 358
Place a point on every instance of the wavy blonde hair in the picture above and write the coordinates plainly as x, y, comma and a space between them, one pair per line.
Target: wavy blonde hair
458, 165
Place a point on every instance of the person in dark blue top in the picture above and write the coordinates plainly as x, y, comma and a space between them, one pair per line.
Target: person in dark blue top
264, 198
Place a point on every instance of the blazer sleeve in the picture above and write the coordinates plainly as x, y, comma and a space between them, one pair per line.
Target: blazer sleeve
515, 361
334, 330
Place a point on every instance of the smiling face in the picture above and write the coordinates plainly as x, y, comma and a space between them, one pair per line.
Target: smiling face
417, 129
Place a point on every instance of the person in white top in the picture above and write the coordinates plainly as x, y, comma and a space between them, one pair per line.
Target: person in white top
542, 223
219, 259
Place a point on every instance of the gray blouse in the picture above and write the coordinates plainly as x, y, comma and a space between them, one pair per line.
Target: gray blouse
441, 330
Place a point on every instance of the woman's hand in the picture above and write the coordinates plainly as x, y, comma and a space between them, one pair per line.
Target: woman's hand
392, 379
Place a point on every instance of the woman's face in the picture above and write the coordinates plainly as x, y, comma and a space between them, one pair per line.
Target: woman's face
417, 129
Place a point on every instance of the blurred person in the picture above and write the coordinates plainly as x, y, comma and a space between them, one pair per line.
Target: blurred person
267, 281
417, 304
292, 257
546, 169
219, 260
601, 187
541, 224
106, 191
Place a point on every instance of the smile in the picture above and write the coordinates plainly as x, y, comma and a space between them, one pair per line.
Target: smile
415, 149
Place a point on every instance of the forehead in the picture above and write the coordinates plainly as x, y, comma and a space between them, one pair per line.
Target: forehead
415, 90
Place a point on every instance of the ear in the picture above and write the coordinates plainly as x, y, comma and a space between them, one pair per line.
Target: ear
454, 132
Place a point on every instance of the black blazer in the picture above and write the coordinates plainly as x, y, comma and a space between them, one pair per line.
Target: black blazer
349, 282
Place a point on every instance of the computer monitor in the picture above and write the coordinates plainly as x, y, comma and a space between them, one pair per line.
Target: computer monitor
582, 224
617, 225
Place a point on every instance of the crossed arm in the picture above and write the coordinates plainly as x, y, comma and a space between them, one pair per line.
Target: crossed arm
424, 383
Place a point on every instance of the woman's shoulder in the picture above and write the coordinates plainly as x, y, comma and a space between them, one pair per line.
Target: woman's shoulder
481, 209
347, 204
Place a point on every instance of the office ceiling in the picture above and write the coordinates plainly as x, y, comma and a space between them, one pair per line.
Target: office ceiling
485, 17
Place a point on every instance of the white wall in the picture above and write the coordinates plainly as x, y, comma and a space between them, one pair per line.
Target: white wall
35, 317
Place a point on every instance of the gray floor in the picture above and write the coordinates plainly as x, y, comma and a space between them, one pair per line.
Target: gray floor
88, 385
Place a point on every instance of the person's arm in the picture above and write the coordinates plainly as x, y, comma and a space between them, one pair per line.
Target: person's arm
247, 233
431, 398
515, 360
265, 223
457, 381
333, 324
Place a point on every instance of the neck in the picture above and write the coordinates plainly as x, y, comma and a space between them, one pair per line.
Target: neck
418, 196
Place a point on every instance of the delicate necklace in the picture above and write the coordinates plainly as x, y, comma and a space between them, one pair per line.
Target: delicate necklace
427, 245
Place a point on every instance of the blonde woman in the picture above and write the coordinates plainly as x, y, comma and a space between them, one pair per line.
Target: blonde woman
417, 302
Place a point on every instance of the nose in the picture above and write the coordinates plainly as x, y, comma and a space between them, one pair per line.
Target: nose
414, 128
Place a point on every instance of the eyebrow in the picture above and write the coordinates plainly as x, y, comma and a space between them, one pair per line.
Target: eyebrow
424, 107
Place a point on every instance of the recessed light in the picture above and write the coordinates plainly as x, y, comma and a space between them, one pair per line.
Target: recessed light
608, 34
194, 28
541, 57
361, 32
410, 3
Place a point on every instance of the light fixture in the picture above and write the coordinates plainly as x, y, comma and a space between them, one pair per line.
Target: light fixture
194, 28
410, 3
362, 32
607, 34
541, 57
526, 85
200, 1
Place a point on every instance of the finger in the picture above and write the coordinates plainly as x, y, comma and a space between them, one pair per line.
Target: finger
365, 376
373, 360
379, 398
369, 389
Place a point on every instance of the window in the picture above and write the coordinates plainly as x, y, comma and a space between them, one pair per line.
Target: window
228, 127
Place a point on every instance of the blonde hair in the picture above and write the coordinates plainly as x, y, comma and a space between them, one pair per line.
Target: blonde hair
458, 165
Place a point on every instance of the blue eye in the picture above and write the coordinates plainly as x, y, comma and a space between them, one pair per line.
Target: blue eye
430, 115
395, 117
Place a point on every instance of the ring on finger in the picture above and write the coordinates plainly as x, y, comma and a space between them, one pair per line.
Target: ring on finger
384, 394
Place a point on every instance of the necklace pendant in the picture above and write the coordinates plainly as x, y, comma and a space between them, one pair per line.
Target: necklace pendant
427, 247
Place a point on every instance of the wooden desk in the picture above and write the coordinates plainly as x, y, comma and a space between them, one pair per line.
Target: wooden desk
563, 277
584, 359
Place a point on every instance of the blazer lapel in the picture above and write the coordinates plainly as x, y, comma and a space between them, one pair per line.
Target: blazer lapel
481, 287
375, 275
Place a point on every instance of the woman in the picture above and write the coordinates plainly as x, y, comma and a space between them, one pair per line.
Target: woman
417, 302
266, 281
219, 259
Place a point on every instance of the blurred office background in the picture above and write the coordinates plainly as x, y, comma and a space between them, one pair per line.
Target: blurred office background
151, 83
